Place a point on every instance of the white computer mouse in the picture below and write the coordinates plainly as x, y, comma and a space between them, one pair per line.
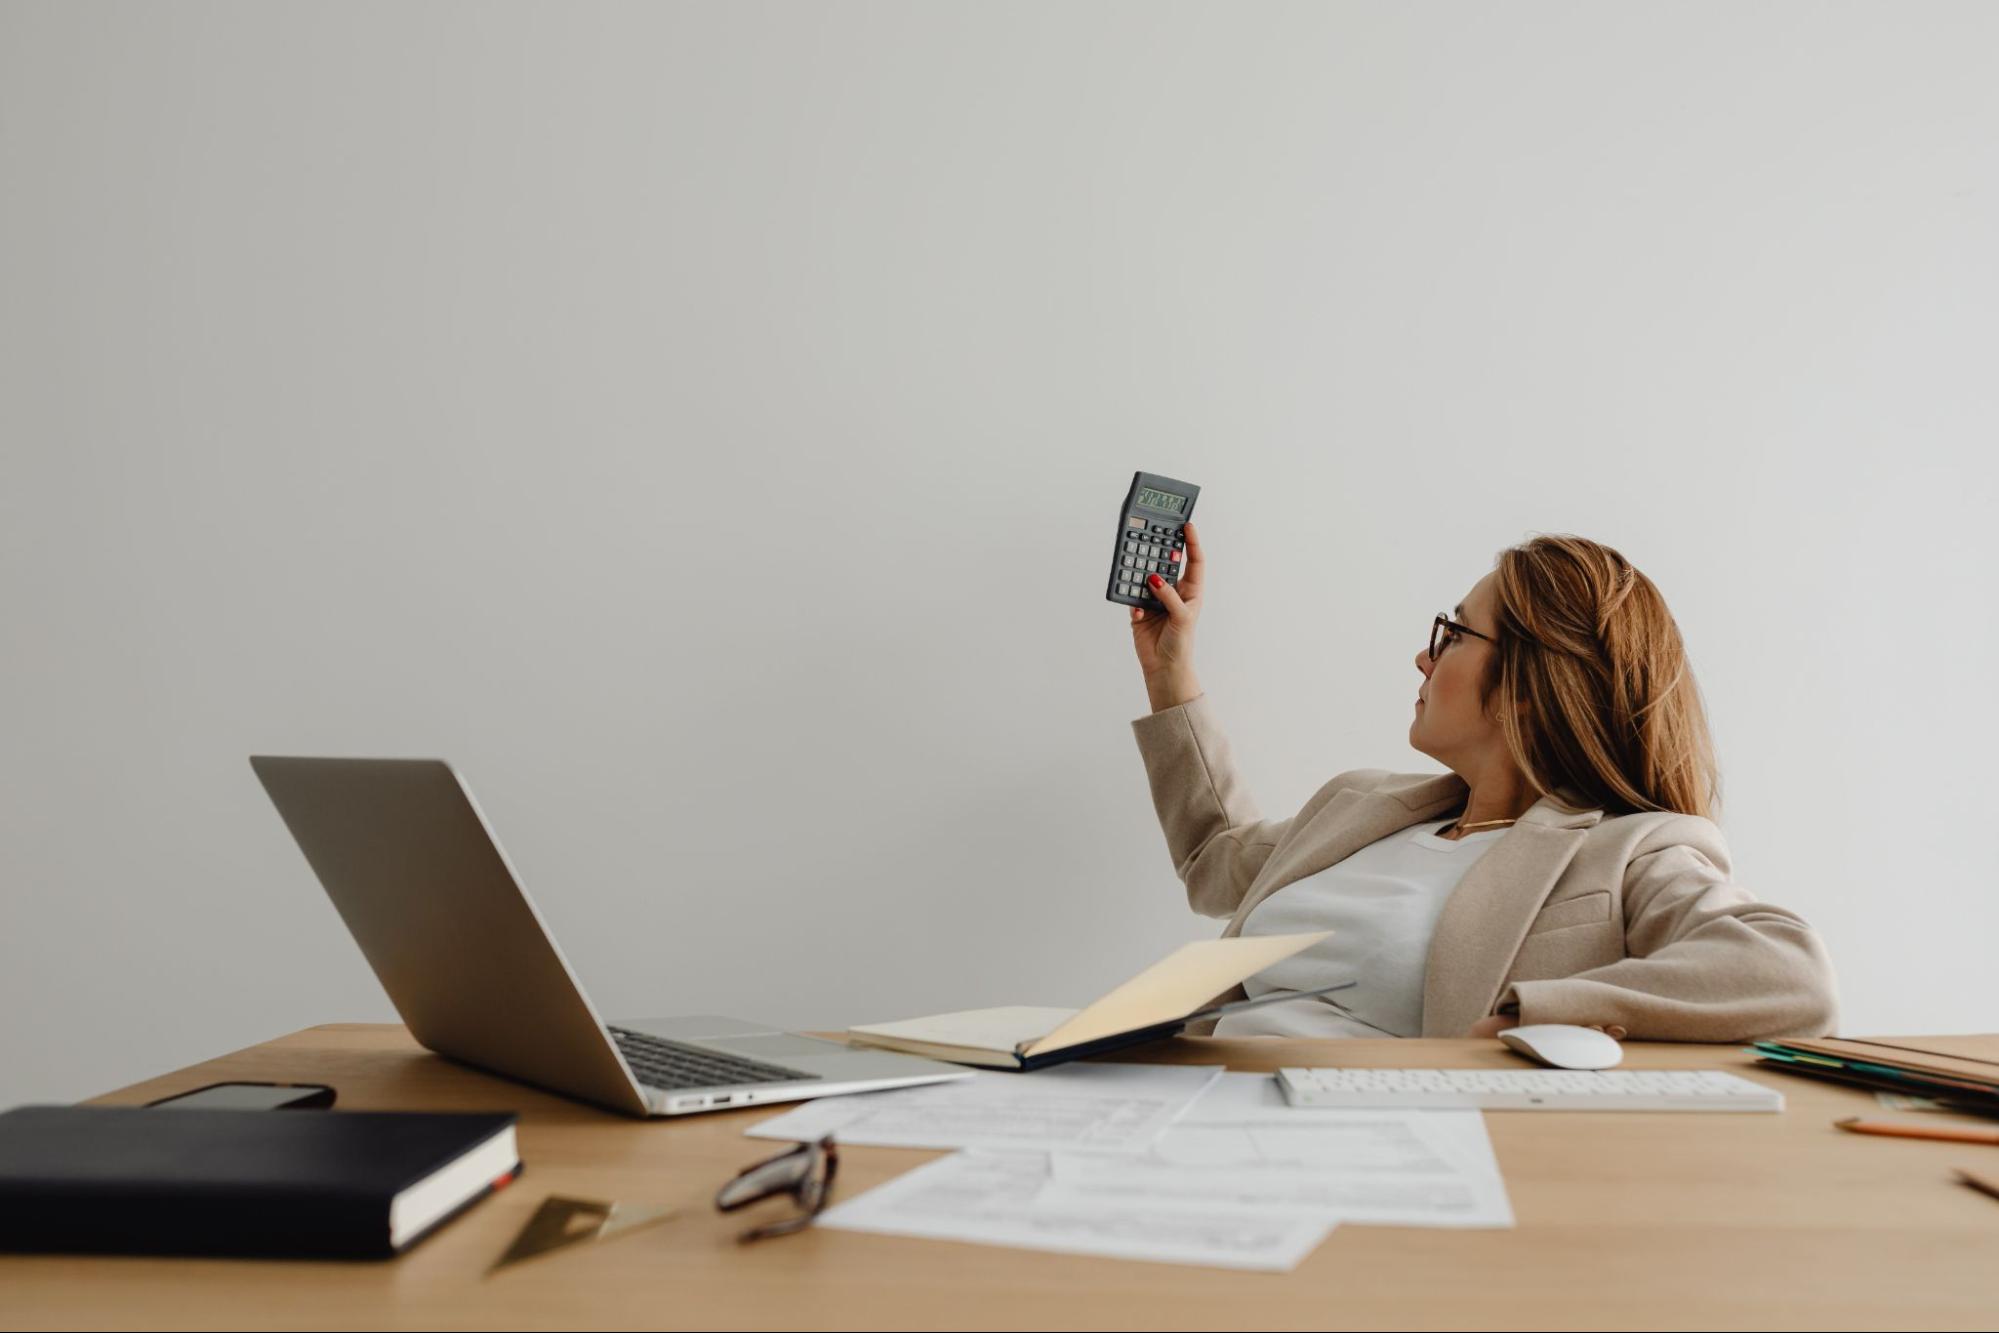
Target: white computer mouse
1562, 1046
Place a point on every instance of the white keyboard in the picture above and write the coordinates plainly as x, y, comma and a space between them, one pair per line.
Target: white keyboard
1528, 1089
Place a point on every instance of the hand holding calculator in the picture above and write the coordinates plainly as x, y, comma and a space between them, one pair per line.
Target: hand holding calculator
1162, 623
1151, 538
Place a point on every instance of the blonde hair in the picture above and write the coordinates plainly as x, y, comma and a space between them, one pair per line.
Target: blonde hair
1599, 706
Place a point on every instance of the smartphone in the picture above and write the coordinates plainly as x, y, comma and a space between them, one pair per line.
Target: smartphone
251, 1097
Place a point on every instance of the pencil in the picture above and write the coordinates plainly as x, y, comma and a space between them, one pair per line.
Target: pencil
1952, 1133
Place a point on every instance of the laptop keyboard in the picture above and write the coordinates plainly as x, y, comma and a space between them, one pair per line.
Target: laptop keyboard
660, 1063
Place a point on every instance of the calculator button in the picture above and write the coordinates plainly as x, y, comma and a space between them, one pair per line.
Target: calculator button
1131, 546
1176, 557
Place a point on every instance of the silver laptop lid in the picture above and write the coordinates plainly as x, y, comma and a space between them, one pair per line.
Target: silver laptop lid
416, 873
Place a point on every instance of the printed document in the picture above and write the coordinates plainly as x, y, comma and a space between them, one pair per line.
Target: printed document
1090, 1107
1234, 1146
1005, 1199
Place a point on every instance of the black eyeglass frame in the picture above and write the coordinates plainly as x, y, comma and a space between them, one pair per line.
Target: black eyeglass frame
808, 1185
1440, 626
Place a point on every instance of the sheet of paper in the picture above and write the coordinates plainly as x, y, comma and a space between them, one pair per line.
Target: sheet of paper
1115, 1108
1397, 1142
1241, 1144
1006, 1199
1417, 1192
1235, 1099
1241, 1101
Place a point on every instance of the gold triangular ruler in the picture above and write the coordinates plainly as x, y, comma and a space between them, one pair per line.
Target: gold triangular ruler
562, 1221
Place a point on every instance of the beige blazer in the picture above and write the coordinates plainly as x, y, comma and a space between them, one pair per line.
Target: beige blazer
1574, 917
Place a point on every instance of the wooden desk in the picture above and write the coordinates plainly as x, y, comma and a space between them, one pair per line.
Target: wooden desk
1625, 1221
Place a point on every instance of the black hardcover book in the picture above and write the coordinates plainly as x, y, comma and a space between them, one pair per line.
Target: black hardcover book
305, 1184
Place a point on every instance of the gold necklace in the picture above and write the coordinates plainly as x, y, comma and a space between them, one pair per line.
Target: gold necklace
1482, 824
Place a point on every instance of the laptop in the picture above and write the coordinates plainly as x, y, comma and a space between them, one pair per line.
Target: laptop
414, 870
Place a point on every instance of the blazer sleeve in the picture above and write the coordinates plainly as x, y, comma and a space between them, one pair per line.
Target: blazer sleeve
1707, 962
1217, 837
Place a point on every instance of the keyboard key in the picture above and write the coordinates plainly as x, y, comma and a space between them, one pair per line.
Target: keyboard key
659, 1063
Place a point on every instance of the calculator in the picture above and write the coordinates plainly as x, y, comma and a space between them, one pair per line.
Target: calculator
1149, 537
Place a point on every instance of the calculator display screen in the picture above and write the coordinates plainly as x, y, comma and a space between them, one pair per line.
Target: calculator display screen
1160, 500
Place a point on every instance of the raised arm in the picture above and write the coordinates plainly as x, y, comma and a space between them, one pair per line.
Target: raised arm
1217, 837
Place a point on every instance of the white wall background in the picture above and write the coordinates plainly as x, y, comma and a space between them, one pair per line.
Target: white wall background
706, 424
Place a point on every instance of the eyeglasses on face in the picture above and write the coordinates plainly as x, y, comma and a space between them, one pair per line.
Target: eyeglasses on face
1444, 632
805, 1173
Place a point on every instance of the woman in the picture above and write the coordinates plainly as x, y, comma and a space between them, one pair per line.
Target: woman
1566, 869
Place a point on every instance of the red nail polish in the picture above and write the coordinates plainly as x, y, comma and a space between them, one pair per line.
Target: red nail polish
1153, 579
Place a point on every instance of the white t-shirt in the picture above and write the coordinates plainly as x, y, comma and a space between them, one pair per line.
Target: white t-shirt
1382, 905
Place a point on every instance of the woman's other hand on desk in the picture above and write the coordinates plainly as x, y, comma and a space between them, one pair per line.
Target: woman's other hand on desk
1498, 1023
1164, 639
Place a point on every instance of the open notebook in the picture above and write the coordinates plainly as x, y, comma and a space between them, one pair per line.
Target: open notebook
1156, 1003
